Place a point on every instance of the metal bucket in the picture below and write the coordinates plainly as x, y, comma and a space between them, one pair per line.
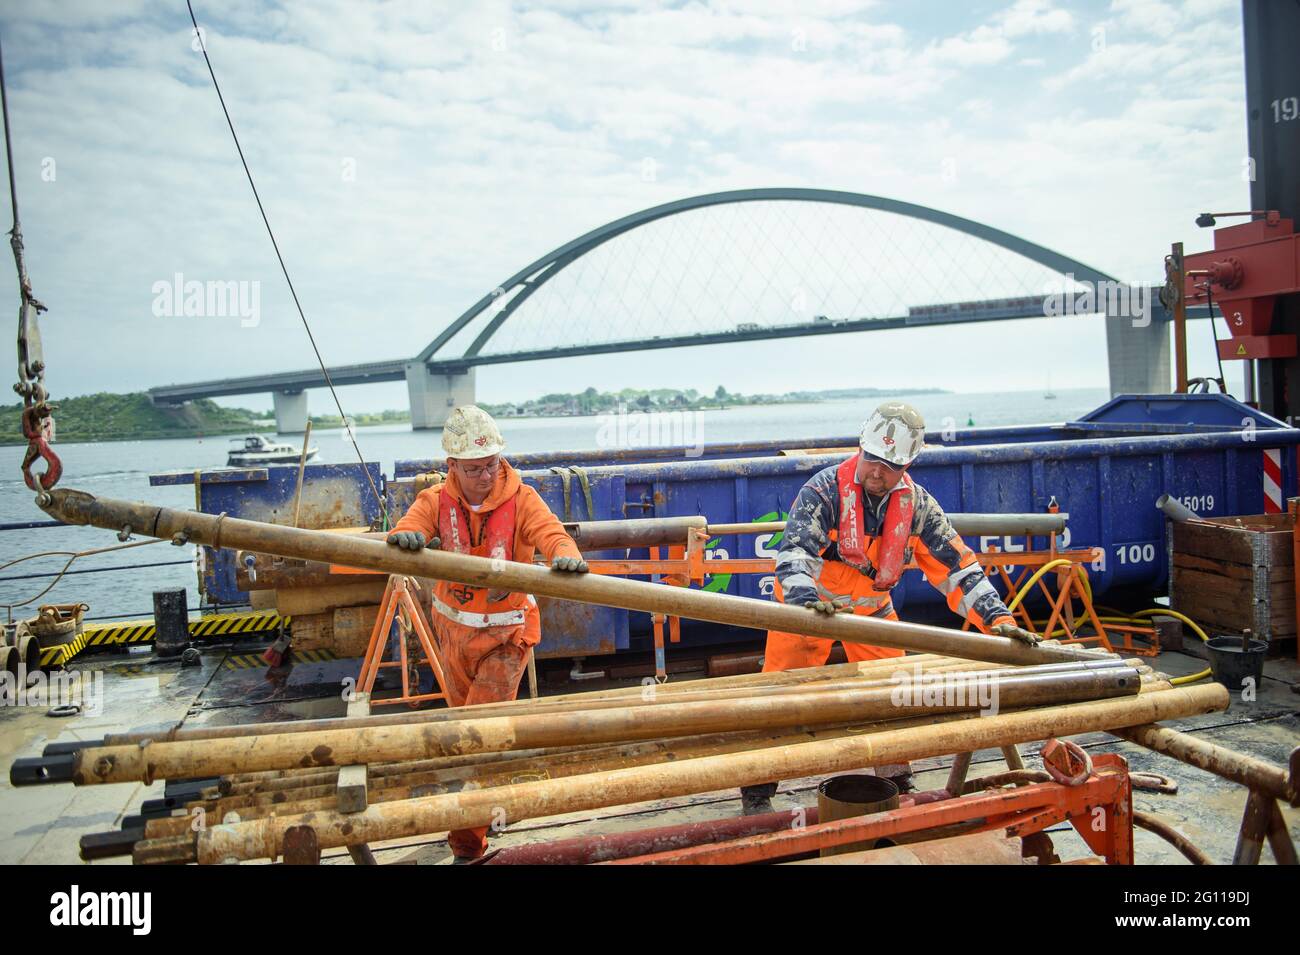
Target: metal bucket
858, 794
1234, 660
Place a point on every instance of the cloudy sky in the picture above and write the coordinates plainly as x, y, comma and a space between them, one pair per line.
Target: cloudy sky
412, 155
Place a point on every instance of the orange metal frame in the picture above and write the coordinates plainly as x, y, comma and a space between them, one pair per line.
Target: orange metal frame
1100, 809
398, 604
1072, 584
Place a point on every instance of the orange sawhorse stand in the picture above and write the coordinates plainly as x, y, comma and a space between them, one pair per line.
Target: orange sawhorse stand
398, 604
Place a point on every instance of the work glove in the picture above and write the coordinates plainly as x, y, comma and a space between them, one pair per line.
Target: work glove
1016, 633
829, 606
570, 565
412, 540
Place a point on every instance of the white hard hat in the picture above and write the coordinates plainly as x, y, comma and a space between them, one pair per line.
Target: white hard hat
895, 433
471, 433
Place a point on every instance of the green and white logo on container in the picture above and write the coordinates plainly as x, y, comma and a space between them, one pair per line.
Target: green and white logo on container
765, 545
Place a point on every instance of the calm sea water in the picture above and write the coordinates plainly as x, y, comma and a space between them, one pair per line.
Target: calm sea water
121, 469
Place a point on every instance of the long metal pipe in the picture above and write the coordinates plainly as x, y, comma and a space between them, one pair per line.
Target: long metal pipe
622, 845
1247, 770
273, 780
622, 696
264, 838
635, 532
968, 525
646, 696
808, 676
78, 507
278, 791
597, 759
203, 758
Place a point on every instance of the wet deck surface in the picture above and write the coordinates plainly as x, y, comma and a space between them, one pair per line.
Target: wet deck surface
43, 824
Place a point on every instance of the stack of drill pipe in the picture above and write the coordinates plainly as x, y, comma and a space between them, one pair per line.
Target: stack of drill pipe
149, 761
312, 790
623, 759
277, 780
396, 780
517, 801
842, 676
759, 683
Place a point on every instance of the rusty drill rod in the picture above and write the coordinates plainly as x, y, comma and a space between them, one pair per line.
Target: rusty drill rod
273, 787
78, 507
264, 838
1255, 774
627, 696
287, 780
812, 677
594, 759
204, 758
971, 669
601, 759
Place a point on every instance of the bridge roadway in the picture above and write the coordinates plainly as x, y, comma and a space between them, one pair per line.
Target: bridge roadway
451, 375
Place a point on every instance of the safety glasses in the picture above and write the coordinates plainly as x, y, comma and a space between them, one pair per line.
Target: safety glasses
481, 470
891, 468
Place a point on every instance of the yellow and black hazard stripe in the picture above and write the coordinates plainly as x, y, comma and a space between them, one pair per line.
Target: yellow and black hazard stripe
57, 656
226, 624
251, 661
128, 633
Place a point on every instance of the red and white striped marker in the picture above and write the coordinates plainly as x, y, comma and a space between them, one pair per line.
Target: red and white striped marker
1273, 481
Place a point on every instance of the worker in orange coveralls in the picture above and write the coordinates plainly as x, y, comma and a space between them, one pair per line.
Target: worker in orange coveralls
483, 509
852, 529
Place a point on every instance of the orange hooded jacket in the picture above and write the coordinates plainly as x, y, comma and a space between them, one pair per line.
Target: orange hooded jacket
536, 527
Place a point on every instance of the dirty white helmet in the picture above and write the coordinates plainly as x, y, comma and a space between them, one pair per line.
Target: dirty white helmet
895, 433
471, 433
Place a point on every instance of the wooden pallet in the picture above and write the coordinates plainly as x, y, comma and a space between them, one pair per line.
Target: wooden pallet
1237, 573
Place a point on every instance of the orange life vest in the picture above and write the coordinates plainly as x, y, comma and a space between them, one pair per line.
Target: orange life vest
477, 606
851, 539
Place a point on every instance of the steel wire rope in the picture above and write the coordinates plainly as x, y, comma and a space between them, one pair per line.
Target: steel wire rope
329, 382
72, 556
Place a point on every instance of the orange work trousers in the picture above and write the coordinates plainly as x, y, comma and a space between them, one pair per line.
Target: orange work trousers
838, 581
482, 665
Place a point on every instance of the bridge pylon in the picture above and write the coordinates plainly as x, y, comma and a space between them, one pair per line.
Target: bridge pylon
290, 411
433, 395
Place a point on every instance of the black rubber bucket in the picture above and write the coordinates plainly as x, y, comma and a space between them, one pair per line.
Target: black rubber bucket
1234, 660
859, 794
171, 622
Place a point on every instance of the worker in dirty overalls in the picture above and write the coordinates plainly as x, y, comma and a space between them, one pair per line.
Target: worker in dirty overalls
483, 509
852, 529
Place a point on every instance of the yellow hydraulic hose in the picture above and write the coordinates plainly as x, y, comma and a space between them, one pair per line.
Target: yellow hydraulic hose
1140, 615
1166, 612
1034, 579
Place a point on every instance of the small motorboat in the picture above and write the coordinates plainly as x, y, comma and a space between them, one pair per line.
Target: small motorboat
254, 449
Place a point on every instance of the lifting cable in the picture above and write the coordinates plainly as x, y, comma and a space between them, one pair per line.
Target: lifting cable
37, 423
283, 268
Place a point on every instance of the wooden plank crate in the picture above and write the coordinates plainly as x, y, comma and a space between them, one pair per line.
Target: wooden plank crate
1236, 573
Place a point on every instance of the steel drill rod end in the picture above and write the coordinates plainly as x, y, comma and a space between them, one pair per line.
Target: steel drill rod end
42, 770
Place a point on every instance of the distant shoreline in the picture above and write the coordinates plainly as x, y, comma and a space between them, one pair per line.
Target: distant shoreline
204, 418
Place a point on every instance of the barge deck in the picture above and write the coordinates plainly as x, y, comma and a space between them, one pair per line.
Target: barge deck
44, 824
